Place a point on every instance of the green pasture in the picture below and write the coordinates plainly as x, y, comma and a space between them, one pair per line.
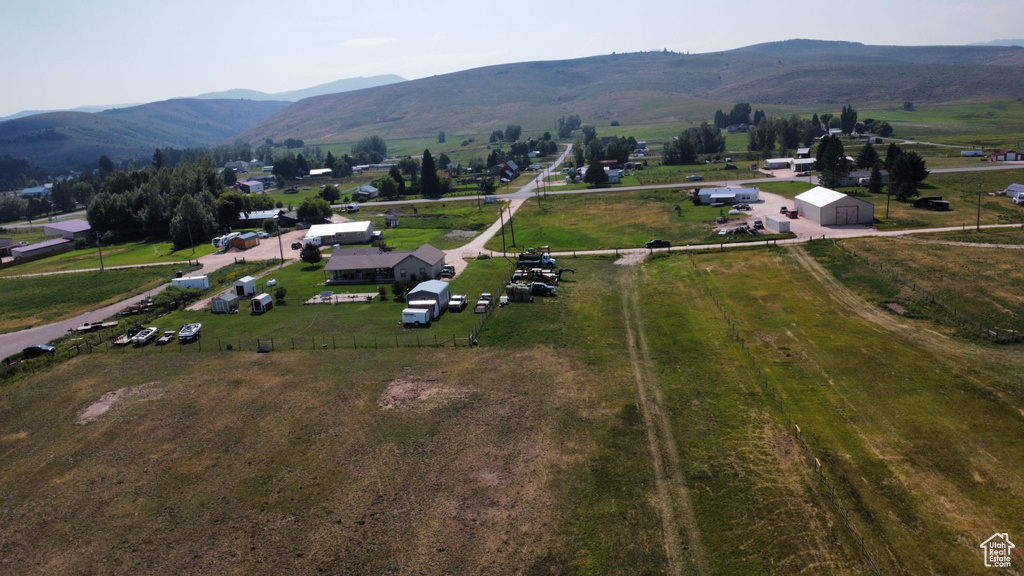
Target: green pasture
611, 220
126, 254
39, 300
900, 436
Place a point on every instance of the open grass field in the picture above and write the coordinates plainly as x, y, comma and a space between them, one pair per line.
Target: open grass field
917, 443
969, 284
444, 225
623, 427
983, 124
38, 300
128, 254
614, 220
711, 172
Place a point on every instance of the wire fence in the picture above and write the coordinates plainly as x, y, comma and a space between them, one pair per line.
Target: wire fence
960, 318
825, 487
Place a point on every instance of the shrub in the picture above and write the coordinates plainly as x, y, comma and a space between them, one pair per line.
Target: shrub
280, 293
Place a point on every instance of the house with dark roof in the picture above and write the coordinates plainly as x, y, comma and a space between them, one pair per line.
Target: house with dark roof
372, 266
256, 217
365, 192
69, 229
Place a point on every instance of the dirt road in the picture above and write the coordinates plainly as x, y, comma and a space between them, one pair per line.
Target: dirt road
681, 535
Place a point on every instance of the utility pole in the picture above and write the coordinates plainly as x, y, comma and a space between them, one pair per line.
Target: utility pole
501, 215
100, 251
978, 228
280, 244
511, 226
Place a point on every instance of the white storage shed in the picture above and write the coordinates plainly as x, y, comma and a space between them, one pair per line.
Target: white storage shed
831, 208
245, 286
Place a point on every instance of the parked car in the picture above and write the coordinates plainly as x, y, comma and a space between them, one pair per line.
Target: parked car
657, 244
37, 350
457, 303
758, 224
741, 206
694, 178
734, 212
783, 210
262, 235
542, 289
296, 245
447, 271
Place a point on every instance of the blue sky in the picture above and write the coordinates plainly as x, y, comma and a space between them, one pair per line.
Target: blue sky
62, 54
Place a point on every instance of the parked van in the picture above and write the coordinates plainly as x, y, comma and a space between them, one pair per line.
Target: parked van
416, 316
1019, 198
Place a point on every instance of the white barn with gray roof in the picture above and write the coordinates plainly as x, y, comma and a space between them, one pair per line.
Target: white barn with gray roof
830, 208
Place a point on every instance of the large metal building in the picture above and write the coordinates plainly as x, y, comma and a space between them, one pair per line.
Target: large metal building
831, 208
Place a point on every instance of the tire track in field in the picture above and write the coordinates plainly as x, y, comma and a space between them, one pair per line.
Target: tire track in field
673, 497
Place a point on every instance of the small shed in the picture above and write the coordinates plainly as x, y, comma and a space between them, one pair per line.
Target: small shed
245, 286
431, 290
777, 223
245, 241
224, 303
262, 303
932, 203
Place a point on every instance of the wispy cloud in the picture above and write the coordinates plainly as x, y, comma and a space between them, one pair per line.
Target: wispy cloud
366, 42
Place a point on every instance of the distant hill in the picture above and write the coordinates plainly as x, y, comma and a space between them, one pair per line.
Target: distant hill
338, 86
1001, 43
343, 85
64, 139
655, 87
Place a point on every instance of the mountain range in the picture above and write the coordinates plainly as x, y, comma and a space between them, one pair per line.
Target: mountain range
656, 87
638, 88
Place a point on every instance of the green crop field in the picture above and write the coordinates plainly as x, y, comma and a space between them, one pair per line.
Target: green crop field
42, 299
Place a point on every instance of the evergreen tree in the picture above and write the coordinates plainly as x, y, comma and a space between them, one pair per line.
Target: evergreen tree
907, 173
396, 175
595, 174
831, 162
158, 159
875, 182
890, 155
330, 161
867, 157
430, 184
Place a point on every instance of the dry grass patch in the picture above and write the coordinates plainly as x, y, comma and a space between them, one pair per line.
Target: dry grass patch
407, 461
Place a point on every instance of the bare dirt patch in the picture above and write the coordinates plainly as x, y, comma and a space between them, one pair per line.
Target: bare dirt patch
411, 392
101, 406
631, 258
460, 234
896, 308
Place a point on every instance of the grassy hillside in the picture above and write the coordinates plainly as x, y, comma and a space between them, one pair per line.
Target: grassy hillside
651, 88
61, 139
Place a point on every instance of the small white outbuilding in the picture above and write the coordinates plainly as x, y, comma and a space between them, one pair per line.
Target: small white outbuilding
245, 286
224, 303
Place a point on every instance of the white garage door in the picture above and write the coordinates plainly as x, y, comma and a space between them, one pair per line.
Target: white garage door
846, 215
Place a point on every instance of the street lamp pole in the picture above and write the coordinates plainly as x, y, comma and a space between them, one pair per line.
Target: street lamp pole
280, 245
